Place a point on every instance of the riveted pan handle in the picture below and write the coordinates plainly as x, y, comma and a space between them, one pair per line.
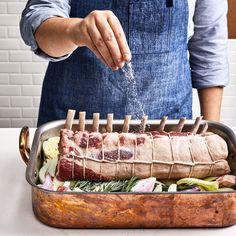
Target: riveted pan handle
24, 144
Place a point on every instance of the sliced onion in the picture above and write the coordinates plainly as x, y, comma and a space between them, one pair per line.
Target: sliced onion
144, 185
48, 183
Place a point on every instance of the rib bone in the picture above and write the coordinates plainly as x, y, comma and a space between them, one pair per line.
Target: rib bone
143, 123
196, 125
69, 119
180, 124
204, 128
126, 124
82, 115
110, 122
162, 124
96, 117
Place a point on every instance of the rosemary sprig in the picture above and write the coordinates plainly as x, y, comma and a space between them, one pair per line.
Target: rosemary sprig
129, 184
112, 186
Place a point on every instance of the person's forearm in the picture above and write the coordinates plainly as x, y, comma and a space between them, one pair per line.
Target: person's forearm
210, 102
100, 31
54, 36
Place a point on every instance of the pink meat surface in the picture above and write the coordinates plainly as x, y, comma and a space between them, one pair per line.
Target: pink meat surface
110, 156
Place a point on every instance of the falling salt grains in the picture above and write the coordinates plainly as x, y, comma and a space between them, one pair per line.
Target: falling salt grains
134, 106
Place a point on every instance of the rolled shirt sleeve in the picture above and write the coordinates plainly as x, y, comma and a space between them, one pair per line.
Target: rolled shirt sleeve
208, 45
36, 12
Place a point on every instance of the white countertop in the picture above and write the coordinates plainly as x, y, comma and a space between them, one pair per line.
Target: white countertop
16, 215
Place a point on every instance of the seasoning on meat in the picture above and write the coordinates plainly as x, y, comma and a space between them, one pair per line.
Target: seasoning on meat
112, 156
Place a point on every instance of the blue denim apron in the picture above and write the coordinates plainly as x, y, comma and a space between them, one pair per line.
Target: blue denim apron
156, 31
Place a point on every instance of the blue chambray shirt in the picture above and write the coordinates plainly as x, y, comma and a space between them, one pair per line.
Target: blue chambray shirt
207, 36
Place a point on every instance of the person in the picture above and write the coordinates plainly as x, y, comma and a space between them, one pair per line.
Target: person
173, 46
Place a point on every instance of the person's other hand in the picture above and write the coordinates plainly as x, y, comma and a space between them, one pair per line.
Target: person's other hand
102, 33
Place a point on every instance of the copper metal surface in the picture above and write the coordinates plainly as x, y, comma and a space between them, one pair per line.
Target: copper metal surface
127, 210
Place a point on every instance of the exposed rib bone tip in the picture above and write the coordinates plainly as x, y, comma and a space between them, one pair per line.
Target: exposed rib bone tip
69, 119
143, 123
82, 116
126, 124
180, 125
96, 117
204, 128
162, 124
196, 124
110, 122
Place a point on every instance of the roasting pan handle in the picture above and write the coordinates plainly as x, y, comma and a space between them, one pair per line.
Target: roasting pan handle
24, 144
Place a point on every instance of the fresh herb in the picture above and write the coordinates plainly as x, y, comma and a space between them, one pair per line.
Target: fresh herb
129, 184
112, 186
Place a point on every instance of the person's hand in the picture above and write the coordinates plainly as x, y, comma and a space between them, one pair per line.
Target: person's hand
102, 33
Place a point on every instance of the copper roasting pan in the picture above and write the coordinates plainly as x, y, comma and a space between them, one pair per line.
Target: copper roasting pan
127, 210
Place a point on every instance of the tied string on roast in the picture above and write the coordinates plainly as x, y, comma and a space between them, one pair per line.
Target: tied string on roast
105, 155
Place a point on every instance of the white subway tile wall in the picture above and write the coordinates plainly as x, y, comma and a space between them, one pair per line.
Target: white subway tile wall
21, 74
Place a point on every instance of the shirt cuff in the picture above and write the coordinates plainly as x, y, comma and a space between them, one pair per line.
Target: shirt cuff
38, 19
217, 78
